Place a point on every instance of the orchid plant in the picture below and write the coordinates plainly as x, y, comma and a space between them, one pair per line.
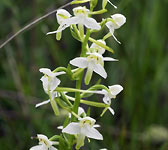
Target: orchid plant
78, 124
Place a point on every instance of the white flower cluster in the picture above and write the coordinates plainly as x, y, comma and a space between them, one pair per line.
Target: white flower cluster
80, 124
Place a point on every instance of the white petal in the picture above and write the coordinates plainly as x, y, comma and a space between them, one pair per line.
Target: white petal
72, 20
115, 89
91, 120
60, 29
59, 73
45, 83
109, 59
112, 4
38, 147
99, 69
80, 62
96, 126
91, 23
110, 26
53, 83
60, 127
116, 39
41, 136
91, 132
80, 111
47, 72
54, 142
72, 128
107, 99
61, 15
52, 148
119, 19
111, 110
98, 48
42, 103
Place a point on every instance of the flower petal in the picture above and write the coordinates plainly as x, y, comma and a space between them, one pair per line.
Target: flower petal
72, 20
80, 62
38, 147
54, 83
107, 99
81, 111
96, 126
110, 26
59, 73
119, 20
112, 4
116, 39
91, 23
98, 49
115, 89
72, 128
47, 71
99, 69
61, 15
111, 110
44, 80
60, 127
91, 132
42, 103
109, 59
60, 29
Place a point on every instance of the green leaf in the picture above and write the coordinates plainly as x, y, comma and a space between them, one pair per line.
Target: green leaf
69, 72
66, 122
88, 112
62, 144
55, 137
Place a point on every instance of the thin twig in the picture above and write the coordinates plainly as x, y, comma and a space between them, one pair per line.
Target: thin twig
32, 23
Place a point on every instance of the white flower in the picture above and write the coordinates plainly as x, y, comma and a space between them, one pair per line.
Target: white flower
44, 143
117, 21
84, 128
114, 91
49, 80
81, 18
94, 62
61, 15
81, 111
98, 49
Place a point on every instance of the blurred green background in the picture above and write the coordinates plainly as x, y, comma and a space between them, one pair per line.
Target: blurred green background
141, 119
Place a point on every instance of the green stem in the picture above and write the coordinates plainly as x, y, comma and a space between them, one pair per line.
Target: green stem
77, 96
66, 99
79, 71
65, 89
107, 36
98, 12
79, 2
84, 44
61, 105
60, 69
81, 30
95, 87
90, 103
